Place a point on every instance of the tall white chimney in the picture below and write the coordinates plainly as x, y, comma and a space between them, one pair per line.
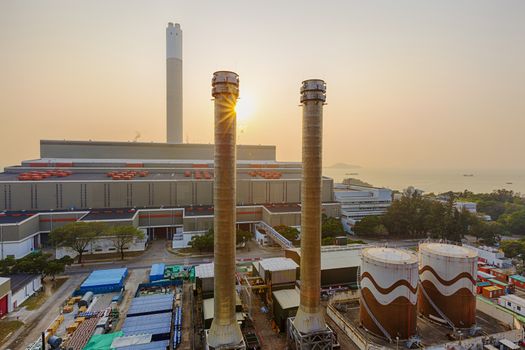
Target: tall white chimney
173, 83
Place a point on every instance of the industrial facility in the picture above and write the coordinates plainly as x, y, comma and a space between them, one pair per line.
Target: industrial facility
389, 279
165, 189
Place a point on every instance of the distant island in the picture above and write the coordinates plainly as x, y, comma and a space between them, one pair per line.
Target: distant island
344, 166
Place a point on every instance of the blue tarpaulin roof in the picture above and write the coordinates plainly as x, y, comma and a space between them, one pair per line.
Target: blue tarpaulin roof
152, 324
157, 272
151, 304
105, 277
104, 281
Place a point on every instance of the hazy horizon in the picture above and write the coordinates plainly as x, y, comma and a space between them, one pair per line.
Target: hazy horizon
410, 84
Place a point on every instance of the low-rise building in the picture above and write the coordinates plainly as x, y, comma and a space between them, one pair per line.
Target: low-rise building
513, 303
492, 256
5, 295
358, 202
339, 264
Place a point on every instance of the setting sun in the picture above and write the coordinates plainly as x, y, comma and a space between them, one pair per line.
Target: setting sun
245, 107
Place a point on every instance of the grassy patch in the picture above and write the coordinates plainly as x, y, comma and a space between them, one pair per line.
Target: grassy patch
8, 327
36, 300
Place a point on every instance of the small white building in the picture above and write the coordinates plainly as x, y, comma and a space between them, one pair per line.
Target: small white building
492, 256
513, 303
21, 287
102, 246
468, 206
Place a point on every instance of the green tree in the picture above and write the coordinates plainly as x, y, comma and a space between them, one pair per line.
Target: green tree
369, 225
203, 242
492, 208
290, 233
331, 227
515, 222
327, 240
77, 236
514, 249
242, 236
122, 236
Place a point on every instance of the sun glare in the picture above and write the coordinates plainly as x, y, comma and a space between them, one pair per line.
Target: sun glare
245, 107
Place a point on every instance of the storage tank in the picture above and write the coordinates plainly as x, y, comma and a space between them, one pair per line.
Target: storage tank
448, 279
86, 299
389, 281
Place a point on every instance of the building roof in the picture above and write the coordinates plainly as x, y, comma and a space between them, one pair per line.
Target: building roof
278, 264
105, 277
514, 299
14, 217
509, 344
339, 257
519, 278
19, 281
208, 308
110, 214
485, 275
284, 208
287, 298
492, 288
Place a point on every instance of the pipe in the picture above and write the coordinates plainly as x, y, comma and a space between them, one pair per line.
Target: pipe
309, 317
225, 333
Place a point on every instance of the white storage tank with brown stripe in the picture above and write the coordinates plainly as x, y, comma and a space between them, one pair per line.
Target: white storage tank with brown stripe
448, 279
389, 279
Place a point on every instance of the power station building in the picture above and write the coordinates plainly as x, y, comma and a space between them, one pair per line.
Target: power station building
164, 189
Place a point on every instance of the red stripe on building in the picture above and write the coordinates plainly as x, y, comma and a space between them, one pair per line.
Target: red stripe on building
58, 220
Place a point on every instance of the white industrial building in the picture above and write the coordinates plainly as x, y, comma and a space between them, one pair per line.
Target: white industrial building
15, 289
360, 201
492, 256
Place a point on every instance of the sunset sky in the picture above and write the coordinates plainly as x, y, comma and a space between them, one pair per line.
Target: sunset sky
411, 84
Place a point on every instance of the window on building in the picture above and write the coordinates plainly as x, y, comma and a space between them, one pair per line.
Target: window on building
519, 308
508, 303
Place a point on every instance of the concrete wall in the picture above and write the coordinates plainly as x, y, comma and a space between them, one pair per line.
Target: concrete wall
26, 291
142, 150
125, 194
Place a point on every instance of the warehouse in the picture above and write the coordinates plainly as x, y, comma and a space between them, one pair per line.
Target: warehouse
285, 305
208, 311
104, 281
22, 287
339, 264
275, 271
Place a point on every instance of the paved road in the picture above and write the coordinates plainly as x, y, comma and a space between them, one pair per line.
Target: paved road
37, 321
157, 253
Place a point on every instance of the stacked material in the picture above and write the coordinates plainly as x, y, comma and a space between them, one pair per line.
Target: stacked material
158, 325
151, 304
82, 334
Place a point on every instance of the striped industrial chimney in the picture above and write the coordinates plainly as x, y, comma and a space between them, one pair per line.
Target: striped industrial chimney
173, 83
309, 317
225, 333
